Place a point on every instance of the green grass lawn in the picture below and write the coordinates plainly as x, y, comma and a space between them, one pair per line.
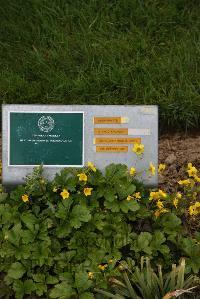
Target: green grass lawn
103, 52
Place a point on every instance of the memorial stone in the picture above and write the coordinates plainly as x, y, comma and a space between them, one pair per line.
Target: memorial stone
59, 136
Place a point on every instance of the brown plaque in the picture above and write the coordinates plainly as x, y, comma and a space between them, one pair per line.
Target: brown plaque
107, 120
117, 140
110, 131
112, 149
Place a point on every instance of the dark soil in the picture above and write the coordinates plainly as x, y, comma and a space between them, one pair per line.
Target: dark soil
176, 151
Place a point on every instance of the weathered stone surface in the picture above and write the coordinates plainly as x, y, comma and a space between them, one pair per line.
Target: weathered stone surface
143, 122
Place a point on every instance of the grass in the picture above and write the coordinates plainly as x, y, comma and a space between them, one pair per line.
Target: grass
103, 52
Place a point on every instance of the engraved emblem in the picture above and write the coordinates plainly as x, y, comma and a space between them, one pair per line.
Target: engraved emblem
46, 124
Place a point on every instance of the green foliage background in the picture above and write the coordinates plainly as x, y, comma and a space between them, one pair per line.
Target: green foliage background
103, 52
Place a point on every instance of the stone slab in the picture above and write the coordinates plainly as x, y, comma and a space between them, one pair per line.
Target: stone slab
139, 122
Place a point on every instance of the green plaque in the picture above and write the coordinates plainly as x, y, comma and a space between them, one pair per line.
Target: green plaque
48, 138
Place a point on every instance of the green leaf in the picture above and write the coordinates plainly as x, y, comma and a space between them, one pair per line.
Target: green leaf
29, 220
143, 241
63, 231
98, 221
29, 286
71, 184
7, 213
124, 189
40, 288
157, 241
14, 234
110, 195
130, 205
63, 208
87, 295
170, 223
27, 236
113, 206
116, 171
79, 214
22, 288
18, 287
22, 252
164, 249
61, 212
66, 276
51, 279
62, 291
3, 197
38, 277
130, 189
16, 270
82, 282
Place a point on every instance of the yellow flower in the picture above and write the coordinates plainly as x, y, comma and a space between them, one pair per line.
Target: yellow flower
156, 195
178, 195
102, 267
90, 275
192, 171
129, 197
137, 195
160, 205
197, 204
191, 210
138, 148
197, 179
175, 202
153, 195
64, 194
189, 165
132, 171
55, 189
184, 182
91, 166
194, 209
152, 169
194, 195
82, 177
164, 211
87, 191
110, 261
192, 183
161, 167
25, 198
162, 193
157, 213
161, 211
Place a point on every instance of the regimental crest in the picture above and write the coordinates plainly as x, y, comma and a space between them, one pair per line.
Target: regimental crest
46, 124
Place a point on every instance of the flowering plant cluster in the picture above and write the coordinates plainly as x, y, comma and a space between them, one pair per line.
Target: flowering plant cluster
61, 239
186, 201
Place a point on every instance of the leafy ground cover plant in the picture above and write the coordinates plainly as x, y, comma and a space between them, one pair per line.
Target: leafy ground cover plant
145, 283
61, 239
